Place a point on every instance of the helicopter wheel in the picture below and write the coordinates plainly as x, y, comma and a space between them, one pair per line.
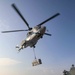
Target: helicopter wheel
33, 46
41, 36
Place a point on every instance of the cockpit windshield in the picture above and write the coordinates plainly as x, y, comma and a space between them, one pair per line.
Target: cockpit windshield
29, 33
37, 27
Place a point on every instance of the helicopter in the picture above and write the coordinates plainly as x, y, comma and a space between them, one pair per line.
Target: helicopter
33, 34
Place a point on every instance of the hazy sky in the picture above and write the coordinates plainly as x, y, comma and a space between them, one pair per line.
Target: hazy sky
56, 52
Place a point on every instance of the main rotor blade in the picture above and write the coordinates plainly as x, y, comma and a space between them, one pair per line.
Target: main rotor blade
13, 31
17, 10
49, 19
48, 34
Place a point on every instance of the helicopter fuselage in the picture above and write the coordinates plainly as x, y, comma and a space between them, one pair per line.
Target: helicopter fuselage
33, 36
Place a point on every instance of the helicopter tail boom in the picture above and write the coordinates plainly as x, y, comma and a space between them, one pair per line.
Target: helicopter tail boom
19, 48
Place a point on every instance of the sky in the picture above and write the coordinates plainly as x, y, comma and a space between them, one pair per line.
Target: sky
57, 52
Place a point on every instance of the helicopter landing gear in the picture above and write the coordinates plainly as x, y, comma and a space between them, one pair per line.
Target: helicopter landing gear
36, 61
41, 36
34, 46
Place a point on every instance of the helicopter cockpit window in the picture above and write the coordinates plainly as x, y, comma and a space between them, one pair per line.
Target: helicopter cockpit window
29, 33
37, 27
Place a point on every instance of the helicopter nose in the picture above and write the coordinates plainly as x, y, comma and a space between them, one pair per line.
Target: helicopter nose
44, 28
